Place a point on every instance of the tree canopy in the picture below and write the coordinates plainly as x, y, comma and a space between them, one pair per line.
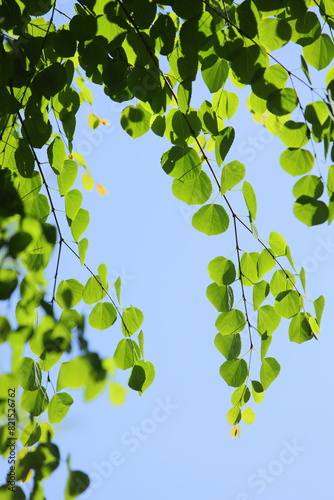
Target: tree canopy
149, 56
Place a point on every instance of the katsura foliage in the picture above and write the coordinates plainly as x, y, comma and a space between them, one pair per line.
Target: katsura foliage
148, 55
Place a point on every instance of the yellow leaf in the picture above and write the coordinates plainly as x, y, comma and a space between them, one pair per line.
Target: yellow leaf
239, 431
101, 189
117, 394
233, 432
27, 478
87, 182
93, 121
104, 122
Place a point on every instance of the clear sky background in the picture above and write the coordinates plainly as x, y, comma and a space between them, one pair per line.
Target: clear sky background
184, 449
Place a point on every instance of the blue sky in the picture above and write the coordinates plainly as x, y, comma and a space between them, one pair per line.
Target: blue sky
174, 441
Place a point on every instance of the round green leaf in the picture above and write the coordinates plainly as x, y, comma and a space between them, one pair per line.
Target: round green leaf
309, 185
30, 375
320, 53
221, 297
230, 322
234, 372
267, 320
132, 319
195, 191
228, 345
288, 303
69, 293
35, 402
211, 219
126, 354
31, 433
310, 211
270, 369
222, 271
59, 407
300, 329
294, 134
102, 316
232, 174
240, 396
234, 416
297, 161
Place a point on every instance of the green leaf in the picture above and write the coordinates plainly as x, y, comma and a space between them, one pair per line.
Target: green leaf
232, 174
8, 283
277, 243
47, 433
93, 291
248, 415
320, 53
132, 319
222, 271
117, 394
248, 268
250, 199
281, 281
56, 155
233, 416
309, 185
102, 316
229, 322
72, 374
294, 134
288, 303
234, 372
223, 143
302, 276
135, 120
79, 223
67, 176
73, 200
82, 248
195, 191
228, 345
267, 320
265, 344
214, 72
260, 293
30, 375
50, 81
319, 305
126, 354
282, 102
59, 407
225, 104
118, 286
181, 163
142, 376
297, 161
270, 369
31, 433
240, 396
211, 220
300, 329
77, 483
221, 297
274, 33
69, 293
35, 402
310, 211
257, 391
24, 158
